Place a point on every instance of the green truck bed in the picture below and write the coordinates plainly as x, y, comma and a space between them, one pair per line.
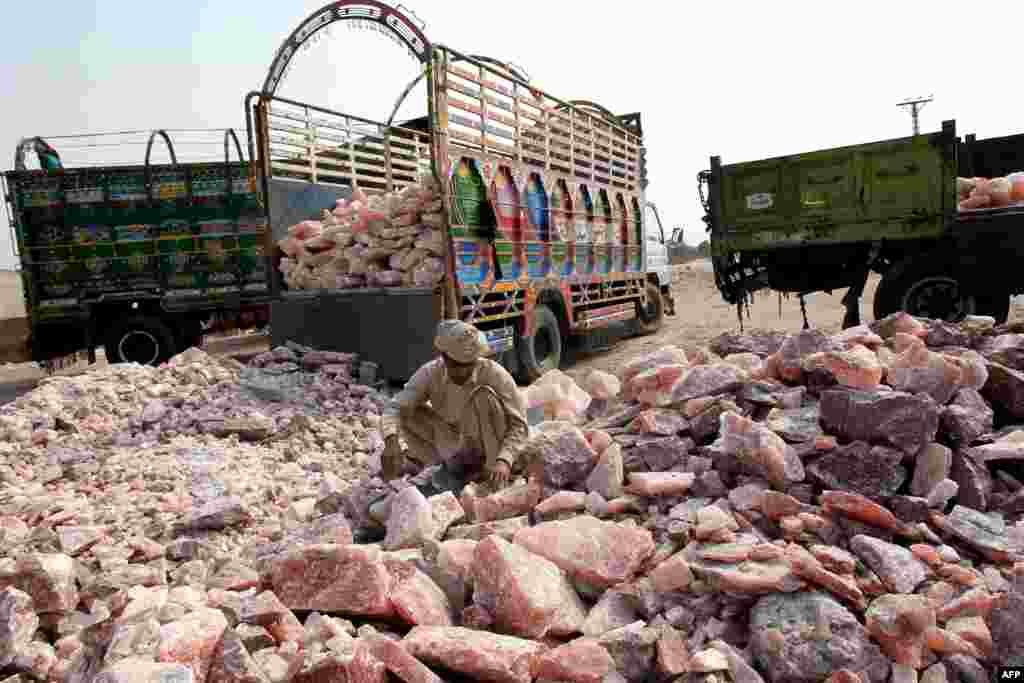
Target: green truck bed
176, 242
893, 190
822, 221
196, 230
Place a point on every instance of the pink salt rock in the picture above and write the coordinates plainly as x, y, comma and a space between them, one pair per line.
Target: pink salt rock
143, 670
858, 367
856, 506
654, 484
920, 371
504, 504
667, 355
505, 528
49, 579
899, 623
861, 334
599, 440
349, 579
567, 457
606, 477
563, 501
904, 342
398, 661
457, 557
760, 449
524, 592
776, 505
602, 554
973, 369
653, 387
477, 654
192, 641
411, 521
696, 406
267, 611
583, 660
671, 575
901, 322
364, 667
415, 597
601, 385
232, 663
707, 380
751, 363
18, 623
671, 655
973, 630
787, 362
446, 511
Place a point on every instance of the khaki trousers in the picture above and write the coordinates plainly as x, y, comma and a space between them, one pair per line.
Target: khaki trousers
472, 443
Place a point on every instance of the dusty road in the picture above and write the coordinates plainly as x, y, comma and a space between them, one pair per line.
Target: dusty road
701, 315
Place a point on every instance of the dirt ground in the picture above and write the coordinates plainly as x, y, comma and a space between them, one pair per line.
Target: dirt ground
701, 315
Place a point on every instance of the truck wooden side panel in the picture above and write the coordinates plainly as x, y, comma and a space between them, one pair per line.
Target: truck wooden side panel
566, 187
190, 234
541, 196
892, 190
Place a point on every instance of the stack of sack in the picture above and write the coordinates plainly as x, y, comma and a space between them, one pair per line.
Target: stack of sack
389, 240
985, 193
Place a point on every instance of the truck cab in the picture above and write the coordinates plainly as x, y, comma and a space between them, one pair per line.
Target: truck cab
658, 267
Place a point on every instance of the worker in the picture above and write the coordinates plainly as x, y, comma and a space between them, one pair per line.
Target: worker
461, 410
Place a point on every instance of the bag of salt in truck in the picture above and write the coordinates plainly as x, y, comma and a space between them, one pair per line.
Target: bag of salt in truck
428, 273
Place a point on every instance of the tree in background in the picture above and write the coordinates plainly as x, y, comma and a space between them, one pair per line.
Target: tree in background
704, 248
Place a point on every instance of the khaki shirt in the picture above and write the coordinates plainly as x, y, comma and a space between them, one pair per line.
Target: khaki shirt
448, 400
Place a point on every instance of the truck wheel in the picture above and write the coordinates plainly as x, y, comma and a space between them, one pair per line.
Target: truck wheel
651, 317
542, 351
925, 291
142, 340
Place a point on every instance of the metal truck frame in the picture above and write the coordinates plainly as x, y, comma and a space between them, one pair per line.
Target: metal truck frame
530, 276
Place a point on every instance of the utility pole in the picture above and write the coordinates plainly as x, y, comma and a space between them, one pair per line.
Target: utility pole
916, 104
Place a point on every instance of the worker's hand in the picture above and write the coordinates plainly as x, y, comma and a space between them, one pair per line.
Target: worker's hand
392, 460
500, 475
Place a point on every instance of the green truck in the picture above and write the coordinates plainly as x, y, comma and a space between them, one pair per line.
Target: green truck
140, 259
825, 220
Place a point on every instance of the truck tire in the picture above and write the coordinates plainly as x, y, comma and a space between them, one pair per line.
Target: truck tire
651, 317
141, 339
929, 290
542, 351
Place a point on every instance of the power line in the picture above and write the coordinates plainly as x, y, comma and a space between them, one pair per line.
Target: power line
916, 104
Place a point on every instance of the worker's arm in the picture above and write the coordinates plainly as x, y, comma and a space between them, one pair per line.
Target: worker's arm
515, 413
415, 393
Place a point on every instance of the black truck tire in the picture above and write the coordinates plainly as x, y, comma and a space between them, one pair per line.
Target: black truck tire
139, 339
651, 317
543, 350
928, 288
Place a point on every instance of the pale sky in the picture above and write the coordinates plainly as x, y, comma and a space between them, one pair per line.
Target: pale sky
740, 79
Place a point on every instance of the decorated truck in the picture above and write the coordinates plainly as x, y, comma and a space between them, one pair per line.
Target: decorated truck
505, 206
140, 258
939, 218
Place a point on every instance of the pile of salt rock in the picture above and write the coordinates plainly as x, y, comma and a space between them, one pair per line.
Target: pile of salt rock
394, 239
798, 508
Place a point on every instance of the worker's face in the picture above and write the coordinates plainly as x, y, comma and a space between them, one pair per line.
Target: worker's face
459, 373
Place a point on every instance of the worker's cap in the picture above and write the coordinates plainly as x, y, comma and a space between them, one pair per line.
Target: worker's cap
460, 341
